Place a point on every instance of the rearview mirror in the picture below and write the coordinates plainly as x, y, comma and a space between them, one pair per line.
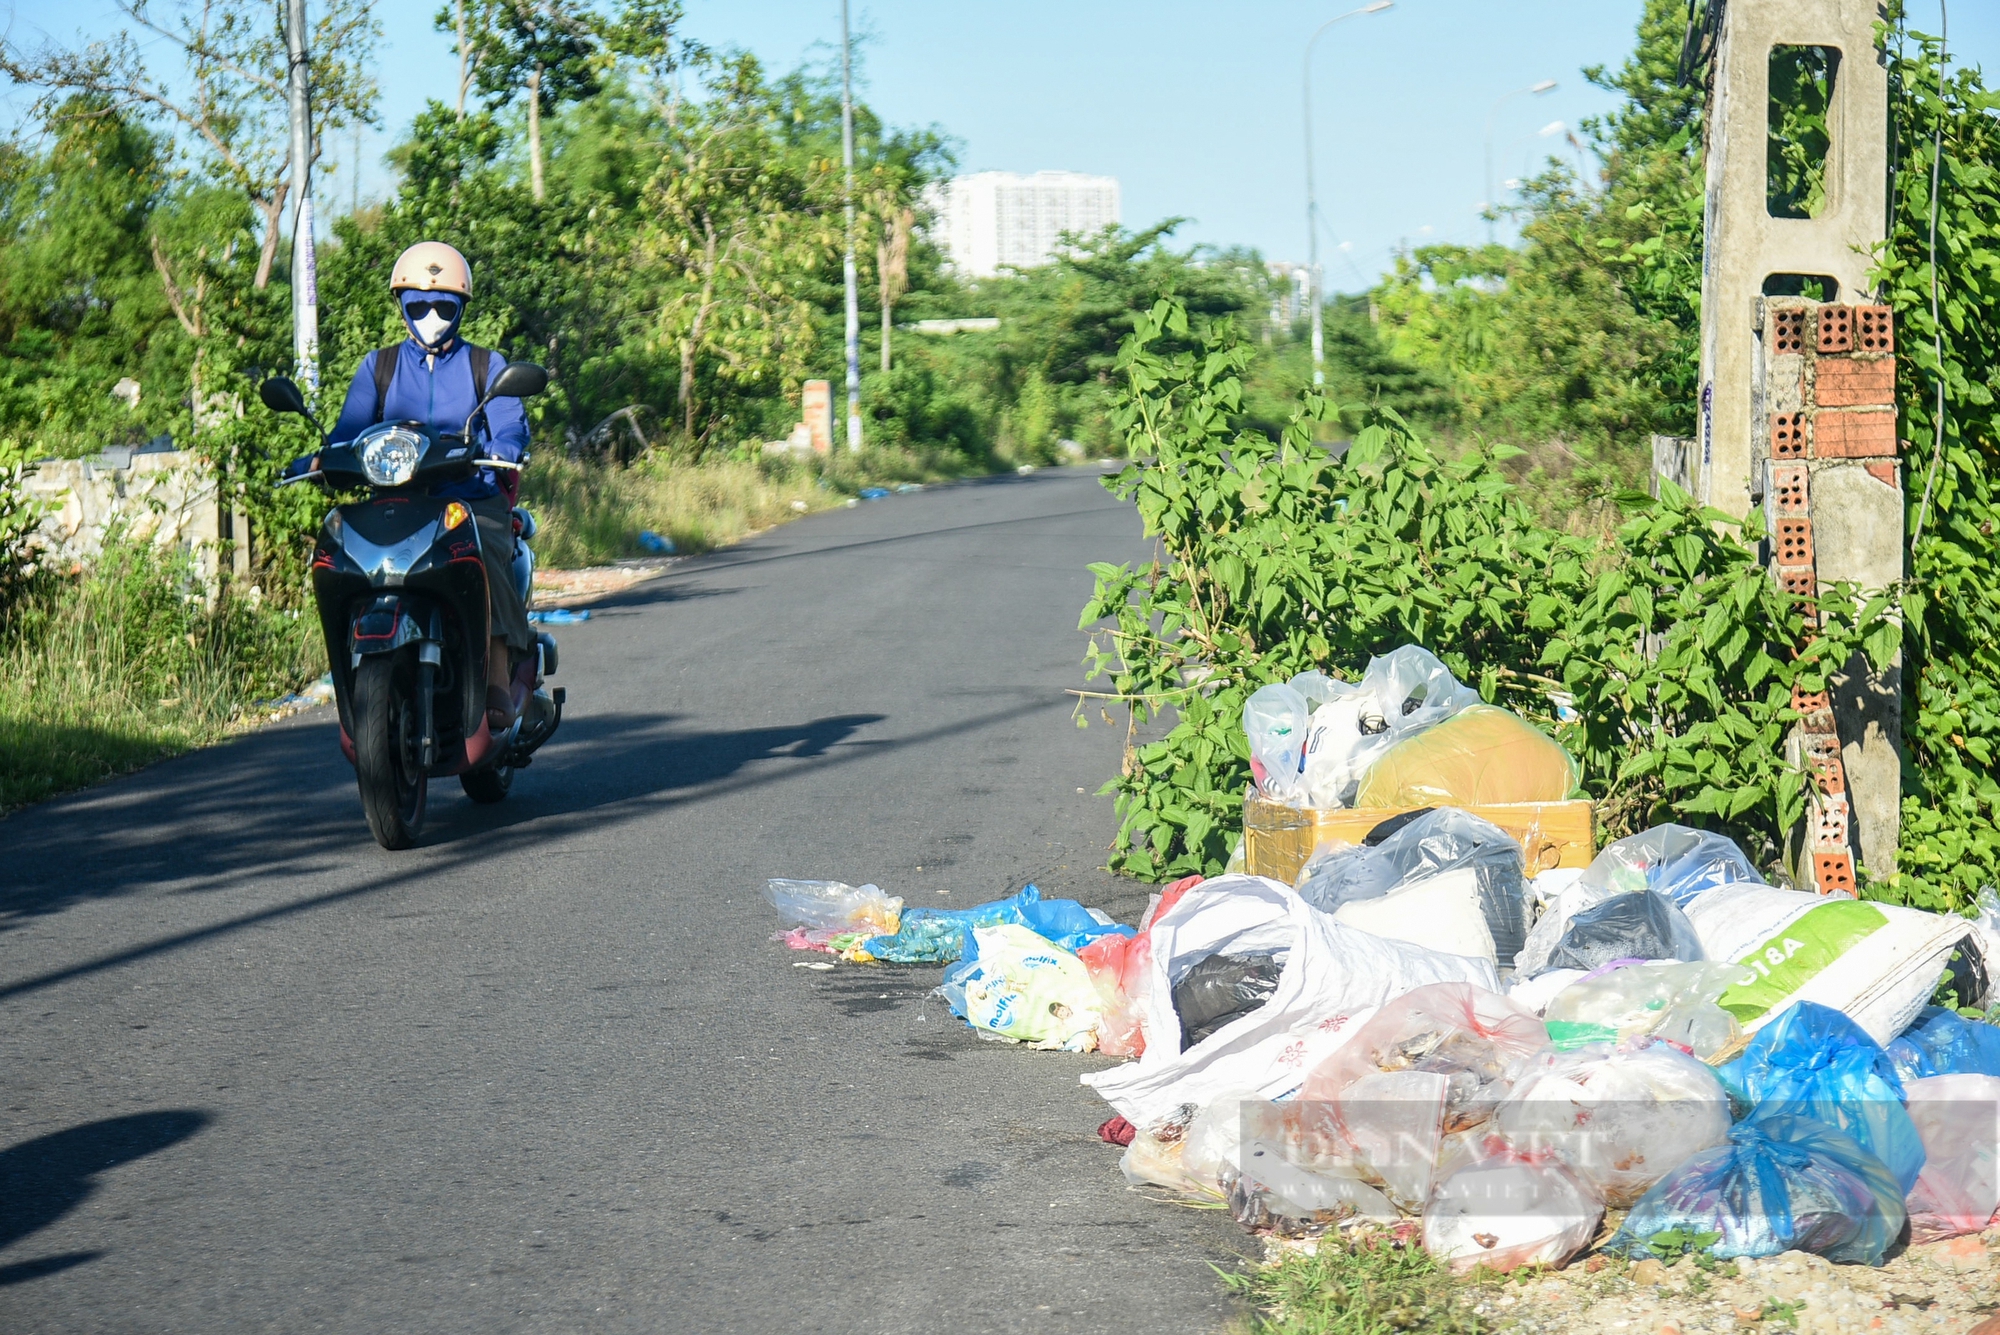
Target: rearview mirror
518, 380
282, 396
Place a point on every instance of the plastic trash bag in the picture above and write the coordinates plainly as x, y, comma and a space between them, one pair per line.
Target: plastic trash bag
1508, 1208
1879, 963
1674, 1001
1403, 693
1120, 966
1815, 1062
1221, 988
1023, 987
1333, 978
1781, 1184
1671, 860
1433, 843
1958, 1117
1620, 1118
1480, 756
834, 906
1442, 912
1274, 721
1616, 924
941, 936
1641, 926
1468, 1034
1942, 1042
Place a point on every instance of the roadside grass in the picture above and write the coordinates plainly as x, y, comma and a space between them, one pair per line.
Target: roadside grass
592, 513
1372, 1286
111, 668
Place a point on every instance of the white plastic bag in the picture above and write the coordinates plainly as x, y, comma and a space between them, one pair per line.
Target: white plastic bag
1958, 1190
1620, 1118
1878, 963
1443, 913
1334, 977
1403, 693
1028, 989
1507, 1208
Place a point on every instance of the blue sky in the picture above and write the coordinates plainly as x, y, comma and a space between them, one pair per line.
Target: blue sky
1194, 106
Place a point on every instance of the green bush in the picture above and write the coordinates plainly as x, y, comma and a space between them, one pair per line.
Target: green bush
1676, 651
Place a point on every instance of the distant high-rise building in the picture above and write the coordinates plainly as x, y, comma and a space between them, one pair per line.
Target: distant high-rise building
993, 219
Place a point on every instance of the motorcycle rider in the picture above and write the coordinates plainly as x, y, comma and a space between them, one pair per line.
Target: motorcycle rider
436, 377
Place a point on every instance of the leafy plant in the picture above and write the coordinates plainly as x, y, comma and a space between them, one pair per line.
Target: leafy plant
1670, 1245
1371, 1286
1679, 651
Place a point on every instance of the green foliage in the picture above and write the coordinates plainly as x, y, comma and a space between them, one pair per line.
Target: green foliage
1370, 1286
1670, 1245
1673, 643
1951, 668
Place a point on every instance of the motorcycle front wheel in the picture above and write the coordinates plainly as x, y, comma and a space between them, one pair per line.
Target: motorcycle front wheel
387, 761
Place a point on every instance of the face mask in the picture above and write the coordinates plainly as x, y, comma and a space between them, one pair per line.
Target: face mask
437, 321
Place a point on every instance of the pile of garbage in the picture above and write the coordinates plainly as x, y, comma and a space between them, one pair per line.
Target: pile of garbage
1660, 1054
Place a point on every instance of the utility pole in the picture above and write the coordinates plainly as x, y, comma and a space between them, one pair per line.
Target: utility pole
305, 272
1313, 283
847, 264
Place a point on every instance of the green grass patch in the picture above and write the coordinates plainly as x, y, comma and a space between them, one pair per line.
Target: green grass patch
1372, 1286
128, 661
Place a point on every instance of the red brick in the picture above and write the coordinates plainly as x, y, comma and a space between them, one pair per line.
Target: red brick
1854, 435
1788, 332
1800, 581
1885, 470
1836, 329
1874, 329
1834, 873
1788, 435
1788, 481
1795, 546
1855, 382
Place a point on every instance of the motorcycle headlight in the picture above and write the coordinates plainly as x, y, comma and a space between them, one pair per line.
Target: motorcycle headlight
390, 459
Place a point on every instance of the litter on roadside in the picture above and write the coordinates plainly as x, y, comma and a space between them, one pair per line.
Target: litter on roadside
1447, 1024
559, 616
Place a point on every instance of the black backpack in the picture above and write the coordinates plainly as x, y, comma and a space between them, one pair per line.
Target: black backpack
385, 372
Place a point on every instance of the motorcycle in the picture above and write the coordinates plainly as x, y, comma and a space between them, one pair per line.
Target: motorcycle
401, 590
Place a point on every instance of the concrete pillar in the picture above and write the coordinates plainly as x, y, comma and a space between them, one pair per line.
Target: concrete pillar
1754, 373
816, 407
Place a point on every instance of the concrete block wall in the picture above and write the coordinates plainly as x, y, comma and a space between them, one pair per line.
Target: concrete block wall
164, 496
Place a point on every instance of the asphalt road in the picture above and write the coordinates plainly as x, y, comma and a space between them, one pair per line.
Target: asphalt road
546, 1072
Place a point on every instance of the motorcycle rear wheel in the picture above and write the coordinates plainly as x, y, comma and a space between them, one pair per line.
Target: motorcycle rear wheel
387, 763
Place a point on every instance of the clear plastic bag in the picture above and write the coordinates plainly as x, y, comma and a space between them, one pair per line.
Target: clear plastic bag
1432, 844
1942, 1042
1275, 720
1673, 1001
1671, 860
1464, 1033
1478, 757
1781, 1183
1621, 1118
1812, 1061
834, 906
1509, 1207
1403, 693
1958, 1117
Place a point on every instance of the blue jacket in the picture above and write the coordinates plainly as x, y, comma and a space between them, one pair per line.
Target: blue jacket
440, 396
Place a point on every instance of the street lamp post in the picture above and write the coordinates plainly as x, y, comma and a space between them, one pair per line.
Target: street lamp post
1492, 204
1312, 207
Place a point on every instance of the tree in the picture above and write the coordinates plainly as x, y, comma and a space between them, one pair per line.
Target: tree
234, 106
892, 269
738, 223
547, 50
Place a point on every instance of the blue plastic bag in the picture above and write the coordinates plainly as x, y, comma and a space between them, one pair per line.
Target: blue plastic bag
1812, 1061
1781, 1183
1942, 1042
940, 936
1671, 860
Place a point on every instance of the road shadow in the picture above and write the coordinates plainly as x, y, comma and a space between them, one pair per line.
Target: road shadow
282, 802
43, 1179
